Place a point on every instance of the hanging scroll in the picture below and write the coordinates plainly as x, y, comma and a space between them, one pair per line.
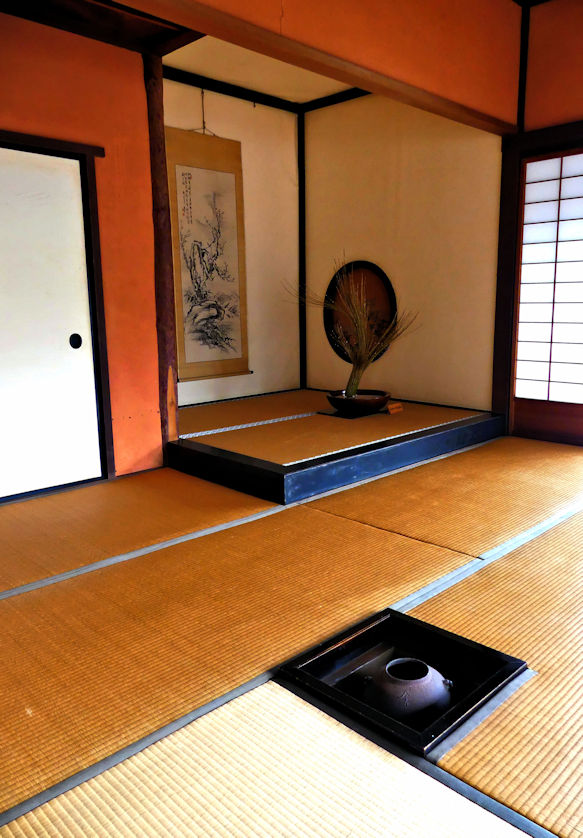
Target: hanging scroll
206, 205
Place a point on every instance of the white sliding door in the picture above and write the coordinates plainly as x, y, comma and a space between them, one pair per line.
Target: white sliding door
48, 410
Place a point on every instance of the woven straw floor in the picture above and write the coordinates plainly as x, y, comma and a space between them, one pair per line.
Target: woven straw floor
529, 753
257, 767
473, 501
315, 436
99, 661
207, 417
54, 533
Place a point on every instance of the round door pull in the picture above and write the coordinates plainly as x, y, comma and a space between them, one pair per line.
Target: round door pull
75, 340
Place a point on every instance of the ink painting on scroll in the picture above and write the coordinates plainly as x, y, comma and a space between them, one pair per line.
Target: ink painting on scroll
206, 206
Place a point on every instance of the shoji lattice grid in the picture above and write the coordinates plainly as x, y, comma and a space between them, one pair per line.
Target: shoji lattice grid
550, 320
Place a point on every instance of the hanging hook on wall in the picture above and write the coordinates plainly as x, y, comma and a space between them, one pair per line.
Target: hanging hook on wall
204, 129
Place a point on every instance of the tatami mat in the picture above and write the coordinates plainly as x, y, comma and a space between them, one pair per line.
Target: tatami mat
472, 501
99, 661
267, 764
207, 417
55, 533
315, 436
529, 753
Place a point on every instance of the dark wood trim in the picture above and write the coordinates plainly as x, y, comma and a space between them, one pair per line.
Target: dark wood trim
107, 21
506, 283
228, 89
523, 68
287, 484
334, 99
302, 281
540, 420
97, 309
515, 150
163, 274
49, 145
542, 141
528, 4
197, 16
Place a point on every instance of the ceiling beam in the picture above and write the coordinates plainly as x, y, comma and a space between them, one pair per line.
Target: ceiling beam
107, 21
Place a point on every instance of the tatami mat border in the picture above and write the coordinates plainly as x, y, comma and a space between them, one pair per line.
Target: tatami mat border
129, 751
247, 425
479, 716
505, 813
409, 602
533, 532
135, 554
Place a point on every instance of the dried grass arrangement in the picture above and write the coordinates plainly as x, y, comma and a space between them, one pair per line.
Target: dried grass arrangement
360, 330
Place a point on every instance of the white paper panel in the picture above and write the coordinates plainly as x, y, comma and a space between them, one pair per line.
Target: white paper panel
570, 272
568, 352
534, 370
546, 191
47, 389
573, 165
547, 211
535, 313
572, 208
572, 188
533, 351
531, 389
567, 251
537, 293
565, 292
569, 313
567, 333
569, 230
537, 273
537, 332
543, 169
546, 232
572, 393
538, 253
570, 373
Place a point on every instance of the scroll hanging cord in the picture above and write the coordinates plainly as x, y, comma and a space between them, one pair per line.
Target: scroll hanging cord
204, 129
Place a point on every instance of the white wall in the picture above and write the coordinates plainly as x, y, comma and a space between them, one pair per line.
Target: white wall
418, 195
270, 188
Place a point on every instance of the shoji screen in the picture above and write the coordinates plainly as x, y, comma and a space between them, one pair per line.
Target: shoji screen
549, 363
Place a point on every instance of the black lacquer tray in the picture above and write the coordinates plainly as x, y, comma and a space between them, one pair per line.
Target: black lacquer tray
338, 673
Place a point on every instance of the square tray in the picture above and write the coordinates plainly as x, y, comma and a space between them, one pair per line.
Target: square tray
338, 673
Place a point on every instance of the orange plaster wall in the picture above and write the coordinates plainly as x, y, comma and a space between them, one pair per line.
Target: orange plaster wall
554, 93
59, 85
464, 50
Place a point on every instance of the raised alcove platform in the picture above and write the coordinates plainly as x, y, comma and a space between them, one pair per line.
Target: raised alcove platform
287, 458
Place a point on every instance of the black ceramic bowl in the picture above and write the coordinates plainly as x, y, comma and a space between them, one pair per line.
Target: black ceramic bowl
363, 403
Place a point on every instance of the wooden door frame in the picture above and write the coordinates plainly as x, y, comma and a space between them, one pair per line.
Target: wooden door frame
515, 150
85, 155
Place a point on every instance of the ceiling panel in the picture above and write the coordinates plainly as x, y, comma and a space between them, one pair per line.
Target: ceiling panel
230, 63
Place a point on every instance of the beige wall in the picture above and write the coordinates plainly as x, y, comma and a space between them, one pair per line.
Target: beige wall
419, 195
269, 156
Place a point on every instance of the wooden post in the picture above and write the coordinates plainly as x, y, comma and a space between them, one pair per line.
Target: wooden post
164, 282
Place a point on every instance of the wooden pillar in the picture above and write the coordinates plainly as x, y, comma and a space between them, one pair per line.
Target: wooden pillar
164, 282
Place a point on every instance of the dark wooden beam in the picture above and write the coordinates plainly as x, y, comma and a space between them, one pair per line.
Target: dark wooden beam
523, 68
107, 21
302, 272
164, 281
227, 89
334, 99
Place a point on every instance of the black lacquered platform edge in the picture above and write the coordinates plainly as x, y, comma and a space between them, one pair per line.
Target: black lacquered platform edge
291, 483
294, 675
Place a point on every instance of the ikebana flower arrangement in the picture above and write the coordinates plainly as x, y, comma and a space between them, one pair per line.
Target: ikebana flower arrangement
361, 333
